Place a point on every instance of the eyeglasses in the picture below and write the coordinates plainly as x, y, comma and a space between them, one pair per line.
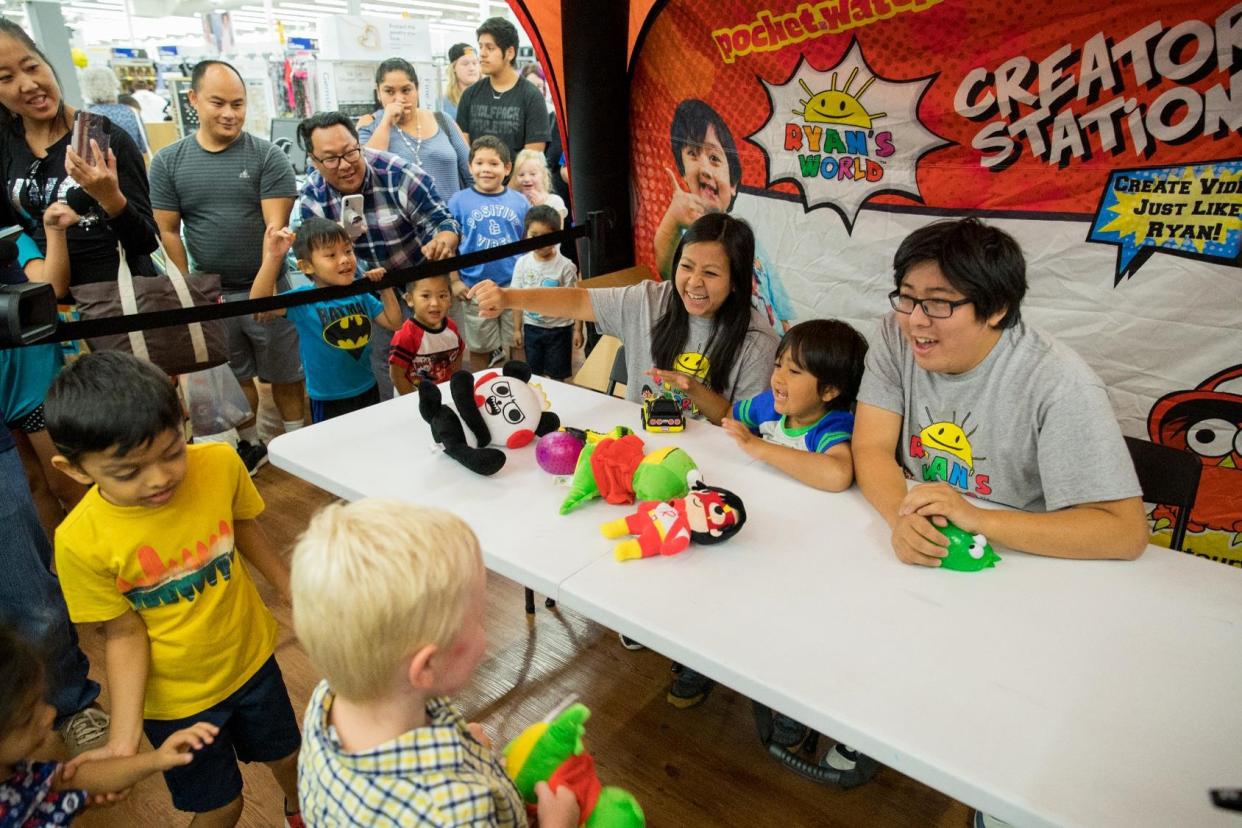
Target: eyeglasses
334, 161
933, 308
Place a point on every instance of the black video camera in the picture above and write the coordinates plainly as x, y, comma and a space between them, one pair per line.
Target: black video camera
27, 309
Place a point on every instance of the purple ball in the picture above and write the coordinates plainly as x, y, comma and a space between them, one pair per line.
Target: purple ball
557, 453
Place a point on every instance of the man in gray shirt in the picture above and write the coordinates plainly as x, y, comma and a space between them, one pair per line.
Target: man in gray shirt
227, 186
975, 402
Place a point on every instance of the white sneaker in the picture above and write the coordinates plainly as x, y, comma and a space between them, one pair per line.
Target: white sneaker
840, 757
497, 357
629, 643
85, 730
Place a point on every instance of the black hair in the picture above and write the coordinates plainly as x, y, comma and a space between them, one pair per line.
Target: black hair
394, 64
731, 321
414, 283
545, 215
110, 400
22, 679
8, 120
730, 500
832, 352
323, 120
314, 233
503, 32
200, 70
984, 263
493, 143
689, 128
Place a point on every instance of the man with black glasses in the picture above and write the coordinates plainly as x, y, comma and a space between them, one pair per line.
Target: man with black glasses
404, 220
974, 403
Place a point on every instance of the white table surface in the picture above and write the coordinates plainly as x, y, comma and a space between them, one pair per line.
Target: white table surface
1045, 692
387, 451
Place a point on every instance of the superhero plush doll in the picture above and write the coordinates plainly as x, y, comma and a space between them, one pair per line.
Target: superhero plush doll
666, 527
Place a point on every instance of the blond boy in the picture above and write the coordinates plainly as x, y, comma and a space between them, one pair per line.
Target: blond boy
388, 599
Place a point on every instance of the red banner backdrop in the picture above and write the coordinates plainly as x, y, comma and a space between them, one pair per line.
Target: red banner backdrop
1106, 137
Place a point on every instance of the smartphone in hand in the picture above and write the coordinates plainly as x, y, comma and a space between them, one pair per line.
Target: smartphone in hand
87, 127
352, 218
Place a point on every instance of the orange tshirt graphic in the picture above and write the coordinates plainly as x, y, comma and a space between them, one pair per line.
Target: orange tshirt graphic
169, 582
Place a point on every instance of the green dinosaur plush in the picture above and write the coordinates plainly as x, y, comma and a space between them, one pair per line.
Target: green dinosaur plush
617, 470
553, 752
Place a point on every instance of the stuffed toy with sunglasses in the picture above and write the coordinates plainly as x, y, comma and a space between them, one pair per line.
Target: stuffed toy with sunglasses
498, 408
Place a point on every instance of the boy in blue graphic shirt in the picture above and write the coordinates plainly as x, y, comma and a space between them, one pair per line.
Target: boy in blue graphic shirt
490, 215
802, 424
334, 335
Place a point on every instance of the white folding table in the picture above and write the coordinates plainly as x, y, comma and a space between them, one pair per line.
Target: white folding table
1045, 692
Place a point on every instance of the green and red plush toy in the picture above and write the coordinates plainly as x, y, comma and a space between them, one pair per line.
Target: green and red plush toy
614, 467
705, 515
553, 752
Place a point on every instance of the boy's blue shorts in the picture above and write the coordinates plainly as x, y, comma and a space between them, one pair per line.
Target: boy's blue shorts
257, 724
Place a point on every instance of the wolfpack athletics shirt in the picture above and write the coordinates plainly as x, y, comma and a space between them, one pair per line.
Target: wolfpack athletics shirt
517, 116
1029, 427
334, 340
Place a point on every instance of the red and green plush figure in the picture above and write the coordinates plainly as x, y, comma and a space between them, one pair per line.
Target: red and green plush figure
553, 752
705, 515
967, 552
617, 470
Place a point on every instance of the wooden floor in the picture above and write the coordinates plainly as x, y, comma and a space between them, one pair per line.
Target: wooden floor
702, 766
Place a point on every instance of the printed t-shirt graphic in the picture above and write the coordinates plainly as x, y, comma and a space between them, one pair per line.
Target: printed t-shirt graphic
944, 453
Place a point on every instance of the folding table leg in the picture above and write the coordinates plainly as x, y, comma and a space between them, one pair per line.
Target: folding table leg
530, 601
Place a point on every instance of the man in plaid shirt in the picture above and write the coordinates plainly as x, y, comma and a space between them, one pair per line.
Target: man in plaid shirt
403, 223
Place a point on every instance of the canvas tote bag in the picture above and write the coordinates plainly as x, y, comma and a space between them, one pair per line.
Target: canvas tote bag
178, 349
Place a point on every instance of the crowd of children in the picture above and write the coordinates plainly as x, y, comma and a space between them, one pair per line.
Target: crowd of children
388, 599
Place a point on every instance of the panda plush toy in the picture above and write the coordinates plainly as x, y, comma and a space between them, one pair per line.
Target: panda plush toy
499, 408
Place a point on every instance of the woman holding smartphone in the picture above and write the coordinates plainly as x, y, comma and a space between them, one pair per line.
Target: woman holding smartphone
102, 179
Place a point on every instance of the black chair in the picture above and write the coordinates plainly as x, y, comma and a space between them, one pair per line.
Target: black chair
1169, 477
618, 373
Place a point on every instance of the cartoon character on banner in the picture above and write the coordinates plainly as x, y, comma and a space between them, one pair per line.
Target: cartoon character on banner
500, 408
1207, 421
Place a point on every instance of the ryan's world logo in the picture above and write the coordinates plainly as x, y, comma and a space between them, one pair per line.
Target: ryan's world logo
845, 134
945, 455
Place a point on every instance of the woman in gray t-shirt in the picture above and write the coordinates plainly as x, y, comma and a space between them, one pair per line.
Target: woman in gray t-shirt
697, 333
427, 138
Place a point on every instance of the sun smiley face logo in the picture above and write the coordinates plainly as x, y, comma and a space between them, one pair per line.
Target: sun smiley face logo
837, 106
950, 438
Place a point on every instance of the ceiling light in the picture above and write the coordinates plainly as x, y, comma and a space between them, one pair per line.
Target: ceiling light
314, 10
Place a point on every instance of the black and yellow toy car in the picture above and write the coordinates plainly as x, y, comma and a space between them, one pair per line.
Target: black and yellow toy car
663, 414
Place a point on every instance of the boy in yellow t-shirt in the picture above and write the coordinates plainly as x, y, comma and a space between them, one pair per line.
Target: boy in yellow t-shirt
151, 553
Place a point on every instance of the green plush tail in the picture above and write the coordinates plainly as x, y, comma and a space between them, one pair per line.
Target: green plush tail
616, 808
582, 487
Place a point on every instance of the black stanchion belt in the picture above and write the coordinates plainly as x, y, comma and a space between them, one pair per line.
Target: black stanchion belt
89, 328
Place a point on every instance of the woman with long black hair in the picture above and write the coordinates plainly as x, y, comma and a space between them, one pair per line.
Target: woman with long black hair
107, 189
